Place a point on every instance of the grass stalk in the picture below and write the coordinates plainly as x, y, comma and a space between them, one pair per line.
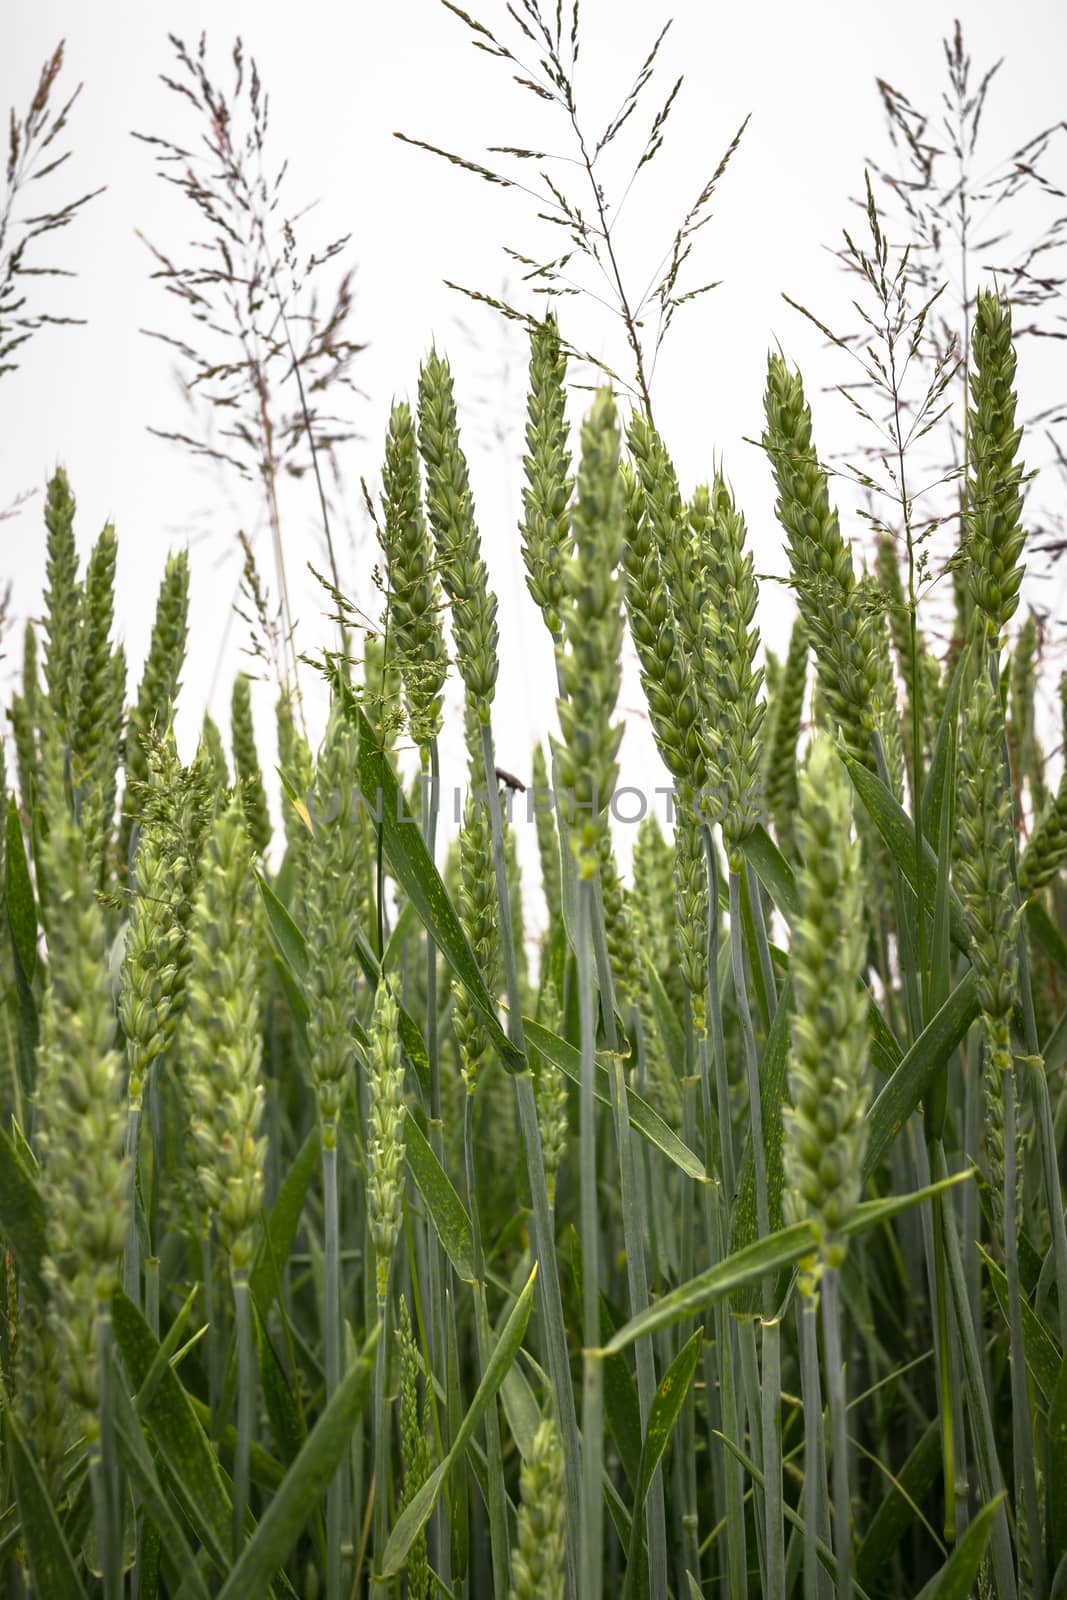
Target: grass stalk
379, 1589
103, 1465
835, 1385
1029, 1543
718, 1037
985, 1444
131, 1258
331, 1330
151, 1293
548, 1291
633, 1241
246, 1405
212, 1340
438, 1262
496, 1497
816, 1516
769, 1403
592, 1514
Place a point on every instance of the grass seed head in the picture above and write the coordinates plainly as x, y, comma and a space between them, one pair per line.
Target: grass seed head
667, 675
414, 594
538, 1567
222, 1039
385, 1130
332, 918
246, 764
829, 1082
478, 914
691, 913
81, 1112
459, 550
994, 486
588, 656
820, 561
545, 528
733, 681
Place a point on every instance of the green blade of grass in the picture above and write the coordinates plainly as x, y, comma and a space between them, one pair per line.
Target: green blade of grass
896, 1513
304, 1484
1042, 1358
938, 783
178, 1436
772, 1076
662, 1416
137, 1460
898, 832
417, 1512
642, 1117
671, 1032
447, 1211
418, 877
957, 1577
50, 1560
756, 1261
287, 1424
905, 1089
22, 1219
281, 1225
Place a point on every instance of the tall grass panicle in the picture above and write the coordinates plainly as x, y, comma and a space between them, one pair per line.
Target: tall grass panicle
459, 551
588, 657
545, 528
820, 561
269, 366
33, 156
995, 533
221, 1037
414, 594
246, 768
538, 1570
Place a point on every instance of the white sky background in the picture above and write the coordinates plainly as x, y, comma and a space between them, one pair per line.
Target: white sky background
342, 78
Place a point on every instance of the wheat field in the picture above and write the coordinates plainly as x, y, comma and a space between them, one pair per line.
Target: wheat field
359, 1241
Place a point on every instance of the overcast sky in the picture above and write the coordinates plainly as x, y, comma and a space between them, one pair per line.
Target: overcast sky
342, 78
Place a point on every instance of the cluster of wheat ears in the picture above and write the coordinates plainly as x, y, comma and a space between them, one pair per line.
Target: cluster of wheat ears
720, 1249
